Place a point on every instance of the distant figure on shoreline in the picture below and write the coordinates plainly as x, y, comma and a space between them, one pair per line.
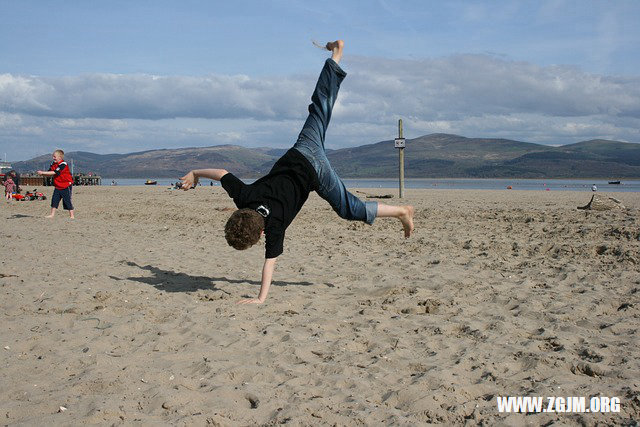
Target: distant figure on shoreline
594, 188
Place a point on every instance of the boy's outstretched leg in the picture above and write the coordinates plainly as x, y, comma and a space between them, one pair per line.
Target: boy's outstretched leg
403, 213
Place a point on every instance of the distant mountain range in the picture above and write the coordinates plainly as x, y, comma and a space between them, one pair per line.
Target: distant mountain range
429, 156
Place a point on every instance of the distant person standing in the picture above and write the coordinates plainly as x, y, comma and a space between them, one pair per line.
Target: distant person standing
594, 188
9, 188
63, 182
15, 176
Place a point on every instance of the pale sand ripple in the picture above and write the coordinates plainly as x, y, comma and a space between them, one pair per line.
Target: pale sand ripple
127, 314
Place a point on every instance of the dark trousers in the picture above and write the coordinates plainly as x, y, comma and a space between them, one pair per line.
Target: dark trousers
65, 196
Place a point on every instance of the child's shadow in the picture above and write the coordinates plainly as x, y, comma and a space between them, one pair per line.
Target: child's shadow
18, 216
170, 281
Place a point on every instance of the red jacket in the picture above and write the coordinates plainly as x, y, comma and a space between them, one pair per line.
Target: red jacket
62, 178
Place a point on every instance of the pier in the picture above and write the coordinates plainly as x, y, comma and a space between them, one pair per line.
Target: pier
45, 181
80, 179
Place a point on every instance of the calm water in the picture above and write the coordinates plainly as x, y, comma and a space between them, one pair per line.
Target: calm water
445, 184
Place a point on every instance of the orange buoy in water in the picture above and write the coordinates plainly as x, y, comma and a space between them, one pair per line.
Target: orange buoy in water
509, 187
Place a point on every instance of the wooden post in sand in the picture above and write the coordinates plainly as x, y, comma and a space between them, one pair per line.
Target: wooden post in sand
400, 143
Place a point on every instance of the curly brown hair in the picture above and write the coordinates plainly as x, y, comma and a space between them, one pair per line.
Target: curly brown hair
244, 228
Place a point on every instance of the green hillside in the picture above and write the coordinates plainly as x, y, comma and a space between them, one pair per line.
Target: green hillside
429, 156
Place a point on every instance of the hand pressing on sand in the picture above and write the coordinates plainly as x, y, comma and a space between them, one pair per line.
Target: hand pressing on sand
267, 275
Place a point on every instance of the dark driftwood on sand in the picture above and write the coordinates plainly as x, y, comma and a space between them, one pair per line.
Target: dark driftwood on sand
375, 196
598, 203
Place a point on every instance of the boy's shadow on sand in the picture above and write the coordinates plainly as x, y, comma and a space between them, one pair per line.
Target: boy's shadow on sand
170, 281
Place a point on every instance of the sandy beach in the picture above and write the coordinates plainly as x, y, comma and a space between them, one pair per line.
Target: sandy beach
128, 314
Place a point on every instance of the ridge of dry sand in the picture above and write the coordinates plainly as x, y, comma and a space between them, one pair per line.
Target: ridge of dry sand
128, 314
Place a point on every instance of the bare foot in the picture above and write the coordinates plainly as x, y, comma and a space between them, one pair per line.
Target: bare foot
49, 216
336, 49
407, 220
338, 44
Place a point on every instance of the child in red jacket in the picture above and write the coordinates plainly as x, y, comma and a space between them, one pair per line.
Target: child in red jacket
63, 182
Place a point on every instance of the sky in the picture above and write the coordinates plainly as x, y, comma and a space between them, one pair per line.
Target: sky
126, 76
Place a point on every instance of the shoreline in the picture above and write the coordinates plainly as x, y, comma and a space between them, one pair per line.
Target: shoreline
428, 183
429, 179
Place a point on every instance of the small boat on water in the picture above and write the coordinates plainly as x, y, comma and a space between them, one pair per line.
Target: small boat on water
615, 182
149, 182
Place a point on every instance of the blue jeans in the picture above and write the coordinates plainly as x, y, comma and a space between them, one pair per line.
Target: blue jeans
311, 144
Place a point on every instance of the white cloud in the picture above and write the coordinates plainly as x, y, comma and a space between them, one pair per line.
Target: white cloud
115, 96
91, 124
476, 85
9, 120
231, 137
439, 88
472, 95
